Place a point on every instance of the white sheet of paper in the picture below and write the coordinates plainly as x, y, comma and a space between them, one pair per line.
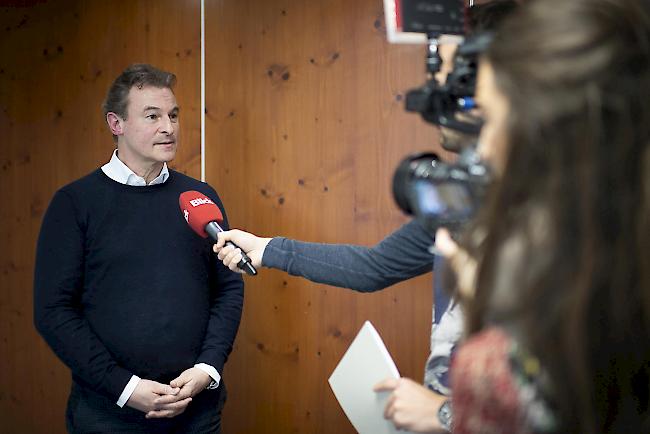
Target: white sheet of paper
364, 364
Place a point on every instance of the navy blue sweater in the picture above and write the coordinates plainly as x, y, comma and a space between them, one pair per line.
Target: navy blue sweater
124, 286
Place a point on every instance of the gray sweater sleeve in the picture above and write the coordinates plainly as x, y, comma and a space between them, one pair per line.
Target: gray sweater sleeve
400, 256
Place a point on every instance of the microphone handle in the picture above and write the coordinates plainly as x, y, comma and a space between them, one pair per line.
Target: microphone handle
245, 264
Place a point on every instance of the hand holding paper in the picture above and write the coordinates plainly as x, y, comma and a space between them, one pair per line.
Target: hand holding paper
365, 363
411, 405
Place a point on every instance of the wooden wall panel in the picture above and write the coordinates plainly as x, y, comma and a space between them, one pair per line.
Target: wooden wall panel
305, 125
57, 59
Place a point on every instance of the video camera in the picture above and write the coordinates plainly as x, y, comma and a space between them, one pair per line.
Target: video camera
435, 192
441, 194
440, 103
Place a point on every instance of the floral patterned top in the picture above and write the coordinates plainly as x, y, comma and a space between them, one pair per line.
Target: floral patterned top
496, 387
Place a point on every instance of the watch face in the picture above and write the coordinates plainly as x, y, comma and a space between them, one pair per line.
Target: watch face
444, 415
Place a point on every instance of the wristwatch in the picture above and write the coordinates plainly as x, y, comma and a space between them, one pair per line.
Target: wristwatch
445, 414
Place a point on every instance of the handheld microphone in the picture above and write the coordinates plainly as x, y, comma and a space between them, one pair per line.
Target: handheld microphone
204, 216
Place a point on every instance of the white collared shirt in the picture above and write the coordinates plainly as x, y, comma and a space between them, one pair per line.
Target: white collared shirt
120, 172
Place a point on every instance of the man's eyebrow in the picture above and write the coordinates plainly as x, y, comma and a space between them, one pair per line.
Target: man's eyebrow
176, 109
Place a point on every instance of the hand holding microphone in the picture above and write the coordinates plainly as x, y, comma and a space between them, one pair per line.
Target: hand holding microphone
205, 217
252, 245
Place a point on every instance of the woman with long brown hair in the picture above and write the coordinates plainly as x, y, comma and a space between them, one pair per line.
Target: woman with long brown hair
557, 290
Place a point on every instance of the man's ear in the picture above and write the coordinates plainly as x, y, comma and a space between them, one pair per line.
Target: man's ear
115, 123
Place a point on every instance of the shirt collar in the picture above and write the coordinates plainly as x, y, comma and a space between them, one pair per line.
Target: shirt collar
120, 172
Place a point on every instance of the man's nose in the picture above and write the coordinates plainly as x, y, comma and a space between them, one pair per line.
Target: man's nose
167, 126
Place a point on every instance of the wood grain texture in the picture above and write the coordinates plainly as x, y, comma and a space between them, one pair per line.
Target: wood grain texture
305, 126
57, 60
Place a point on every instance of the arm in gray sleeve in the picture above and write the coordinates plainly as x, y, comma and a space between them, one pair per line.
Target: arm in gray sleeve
400, 256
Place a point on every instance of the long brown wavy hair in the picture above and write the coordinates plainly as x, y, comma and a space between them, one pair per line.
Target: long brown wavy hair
565, 262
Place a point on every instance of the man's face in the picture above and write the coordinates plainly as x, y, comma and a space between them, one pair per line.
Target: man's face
150, 131
451, 140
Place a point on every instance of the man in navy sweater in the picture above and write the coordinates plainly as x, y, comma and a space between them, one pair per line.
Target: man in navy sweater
125, 293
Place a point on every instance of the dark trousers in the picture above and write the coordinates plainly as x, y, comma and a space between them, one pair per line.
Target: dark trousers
90, 413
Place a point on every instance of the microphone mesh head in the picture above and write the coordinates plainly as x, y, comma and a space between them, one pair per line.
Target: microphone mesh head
199, 210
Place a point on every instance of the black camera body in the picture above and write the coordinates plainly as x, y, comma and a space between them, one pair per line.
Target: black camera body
439, 103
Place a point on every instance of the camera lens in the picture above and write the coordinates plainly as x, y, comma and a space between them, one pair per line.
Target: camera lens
404, 174
438, 193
